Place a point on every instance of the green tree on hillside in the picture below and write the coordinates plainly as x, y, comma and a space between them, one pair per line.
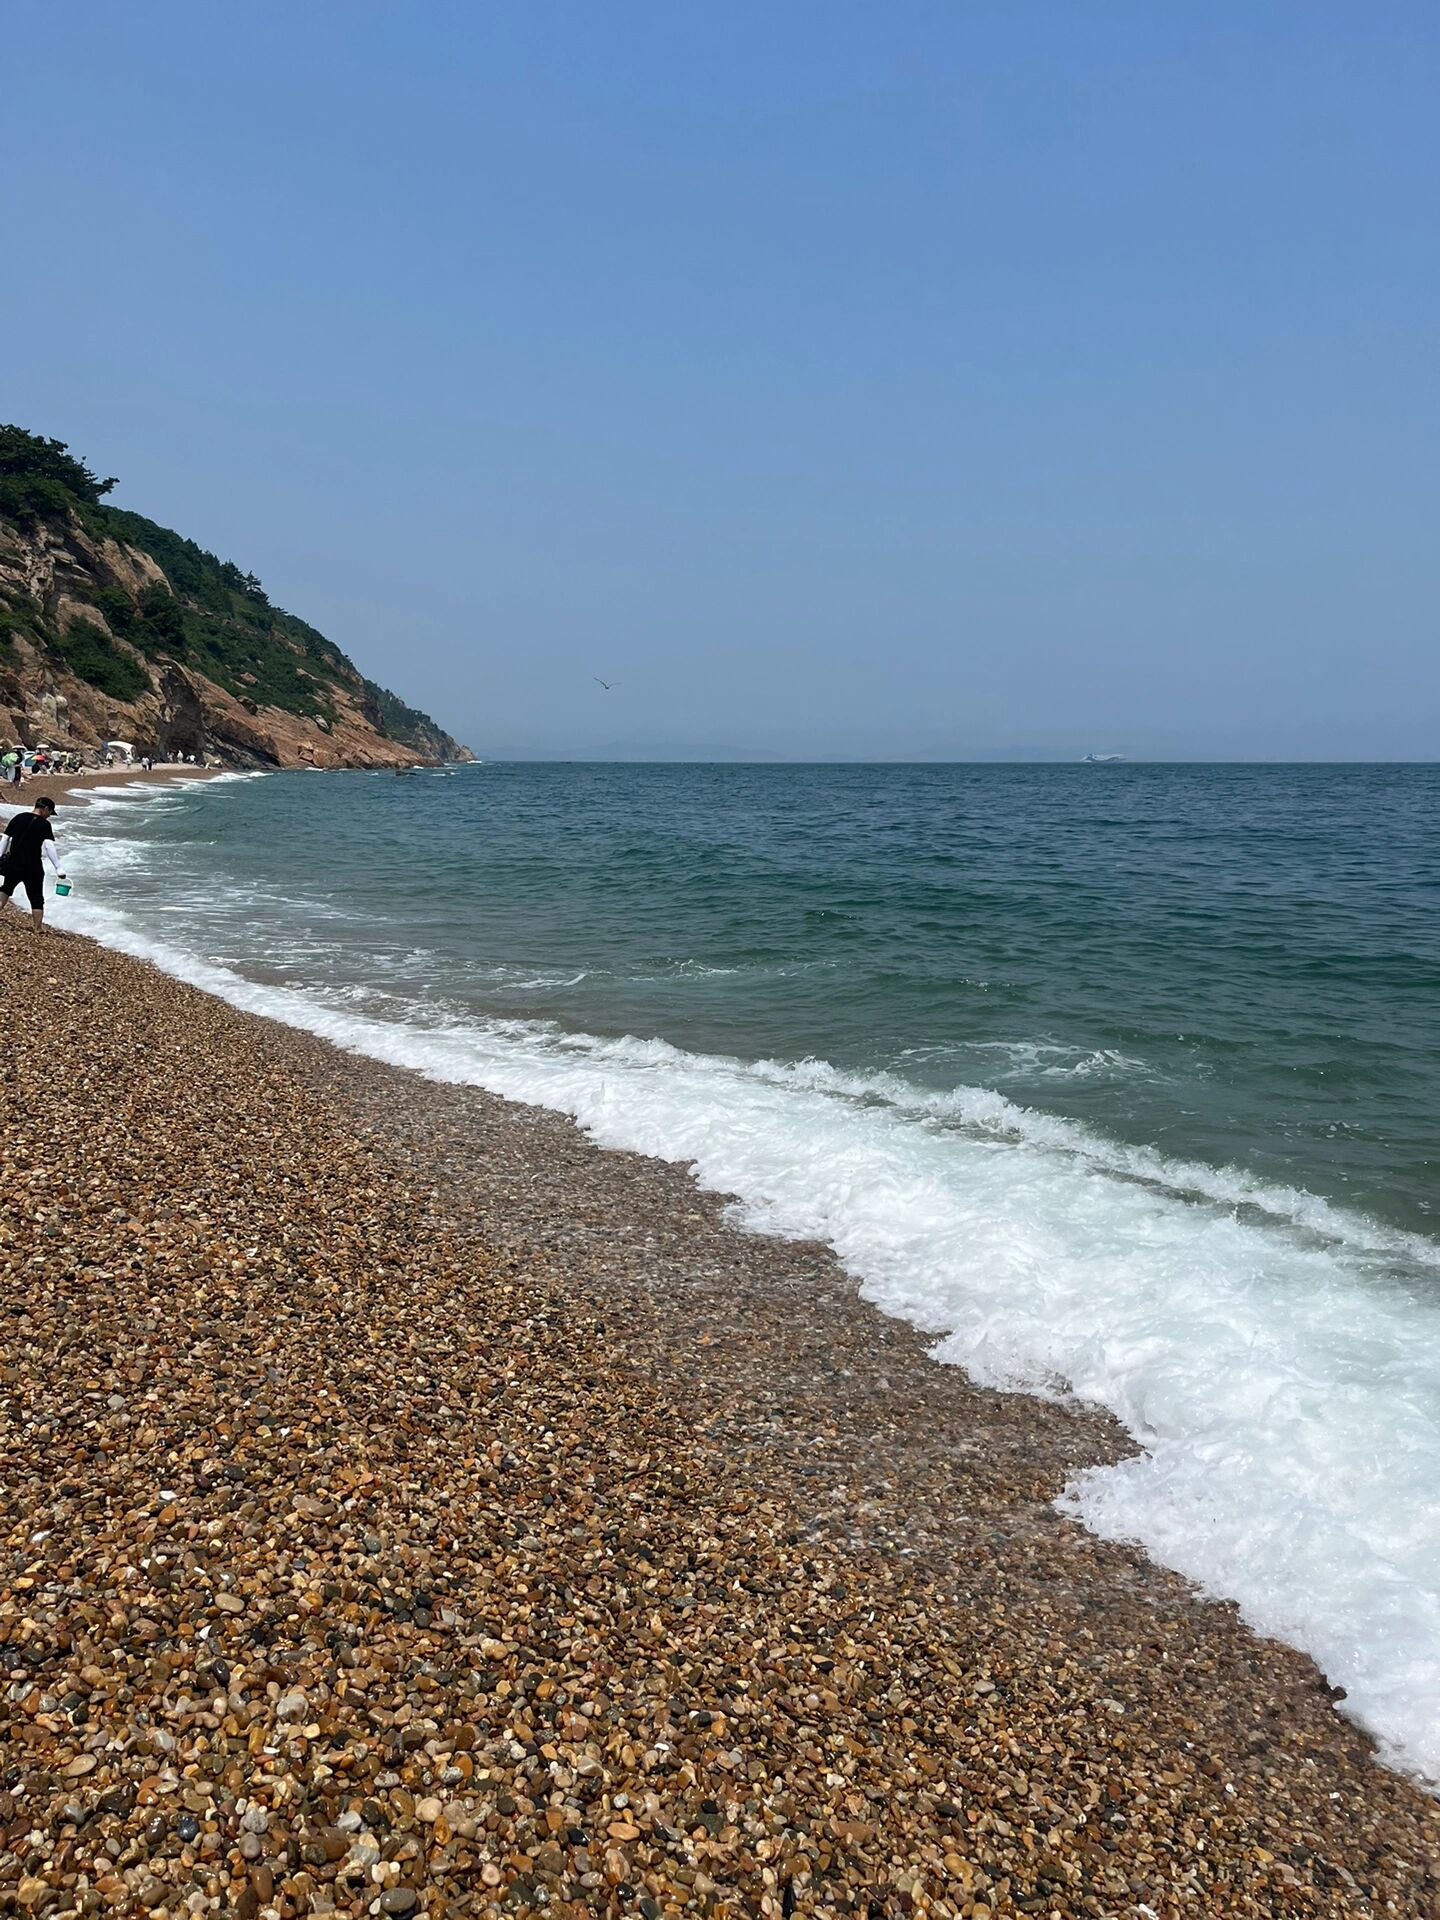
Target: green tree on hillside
40, 477
160, 623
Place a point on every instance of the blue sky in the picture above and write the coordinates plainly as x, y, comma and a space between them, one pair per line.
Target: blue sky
838, 379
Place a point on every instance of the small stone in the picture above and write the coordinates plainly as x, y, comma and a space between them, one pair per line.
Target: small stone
187, 1826
256, 1820
290, 1706
429, 1809
251, 1846
398, 1900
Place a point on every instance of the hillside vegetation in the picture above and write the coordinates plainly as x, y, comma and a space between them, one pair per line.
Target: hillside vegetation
140, 616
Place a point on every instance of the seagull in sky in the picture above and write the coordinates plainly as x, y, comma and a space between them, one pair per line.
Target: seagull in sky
607, 684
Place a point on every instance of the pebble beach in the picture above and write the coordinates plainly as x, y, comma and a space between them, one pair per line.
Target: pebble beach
410, 1508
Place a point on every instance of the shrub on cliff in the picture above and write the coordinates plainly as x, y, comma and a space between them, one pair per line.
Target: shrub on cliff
93, 656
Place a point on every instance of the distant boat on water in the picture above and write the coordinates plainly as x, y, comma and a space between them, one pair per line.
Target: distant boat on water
1102, 759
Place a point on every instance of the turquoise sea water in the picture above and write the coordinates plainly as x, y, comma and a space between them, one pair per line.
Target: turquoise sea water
1120, 1080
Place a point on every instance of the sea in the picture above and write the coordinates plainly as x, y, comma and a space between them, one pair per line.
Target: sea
1122, 1083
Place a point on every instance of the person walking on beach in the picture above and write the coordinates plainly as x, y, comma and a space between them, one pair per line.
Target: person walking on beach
28, 842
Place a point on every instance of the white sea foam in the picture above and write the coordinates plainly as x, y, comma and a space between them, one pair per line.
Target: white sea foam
985, 1111
149, 790
1037, 1060
1285, 1388
109, 855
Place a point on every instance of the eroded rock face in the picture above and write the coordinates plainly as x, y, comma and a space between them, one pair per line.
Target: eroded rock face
182, 715
49, 712
52, 575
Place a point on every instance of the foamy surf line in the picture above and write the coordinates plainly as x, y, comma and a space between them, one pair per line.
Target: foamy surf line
1286, 1403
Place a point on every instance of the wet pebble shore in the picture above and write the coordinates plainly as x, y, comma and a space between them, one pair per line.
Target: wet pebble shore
408, 1508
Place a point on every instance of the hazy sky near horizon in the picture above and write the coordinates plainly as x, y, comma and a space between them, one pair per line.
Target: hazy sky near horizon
916, 379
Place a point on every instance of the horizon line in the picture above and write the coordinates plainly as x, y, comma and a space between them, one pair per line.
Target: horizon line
915, 760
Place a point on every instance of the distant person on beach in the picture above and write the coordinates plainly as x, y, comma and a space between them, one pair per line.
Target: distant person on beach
28, 842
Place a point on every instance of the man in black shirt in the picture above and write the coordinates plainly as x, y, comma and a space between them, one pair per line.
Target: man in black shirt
28, 841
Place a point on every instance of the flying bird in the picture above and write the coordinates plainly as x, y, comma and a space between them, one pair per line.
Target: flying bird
606, 684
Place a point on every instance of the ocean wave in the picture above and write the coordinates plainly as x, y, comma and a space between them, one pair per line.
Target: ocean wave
1250, 1337
988, 1112
147, 790
1040, 1059
527, 980
109, 855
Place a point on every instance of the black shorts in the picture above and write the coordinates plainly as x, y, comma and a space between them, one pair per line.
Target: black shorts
33, 883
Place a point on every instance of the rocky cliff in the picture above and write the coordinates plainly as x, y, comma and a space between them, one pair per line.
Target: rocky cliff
114, 627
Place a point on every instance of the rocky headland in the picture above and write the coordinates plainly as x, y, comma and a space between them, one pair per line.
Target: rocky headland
114, 627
